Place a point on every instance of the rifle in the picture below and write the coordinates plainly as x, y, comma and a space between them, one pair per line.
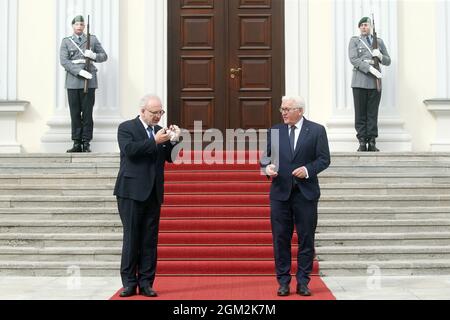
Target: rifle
376, 60
88, 61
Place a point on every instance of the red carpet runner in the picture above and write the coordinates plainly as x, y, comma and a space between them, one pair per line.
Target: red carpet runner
215, 239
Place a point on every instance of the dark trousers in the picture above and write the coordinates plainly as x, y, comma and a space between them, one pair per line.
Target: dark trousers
81, 107
367, 103
301, 213
140, 222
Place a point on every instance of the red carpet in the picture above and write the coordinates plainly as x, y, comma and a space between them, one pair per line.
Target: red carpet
228, 288
215, 222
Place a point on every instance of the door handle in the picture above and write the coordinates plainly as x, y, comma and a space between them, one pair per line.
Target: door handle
235, 72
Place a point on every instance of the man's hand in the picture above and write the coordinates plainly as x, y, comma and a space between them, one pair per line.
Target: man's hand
174, 132
90, 54
162, 136
270, 171
375, 72
300, 173
85, 74
377, 53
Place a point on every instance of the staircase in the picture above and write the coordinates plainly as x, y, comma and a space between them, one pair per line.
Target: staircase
387, 211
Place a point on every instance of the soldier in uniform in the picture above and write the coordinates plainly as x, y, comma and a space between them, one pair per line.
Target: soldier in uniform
365, 94
73, 56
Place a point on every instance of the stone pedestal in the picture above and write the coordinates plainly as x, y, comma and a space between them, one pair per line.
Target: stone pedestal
440, 108
9, 111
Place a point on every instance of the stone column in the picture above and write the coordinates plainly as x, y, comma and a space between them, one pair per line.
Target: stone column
105, 24
9, 106
440, 106
297, 46
156, 51
342, 134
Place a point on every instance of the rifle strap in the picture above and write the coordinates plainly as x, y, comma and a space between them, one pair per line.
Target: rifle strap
359, 40
79, 49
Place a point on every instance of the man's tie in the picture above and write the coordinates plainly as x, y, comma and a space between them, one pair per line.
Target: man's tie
79, 39
368, 41
150, 133
292, 138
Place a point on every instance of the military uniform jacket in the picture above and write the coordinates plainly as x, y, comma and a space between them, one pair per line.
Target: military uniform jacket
361, 59
70, 55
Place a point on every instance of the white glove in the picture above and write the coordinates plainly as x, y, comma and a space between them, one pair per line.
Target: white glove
174, 133
90, 54
377, 53
375, 72
79, 61
270, 170
85, 74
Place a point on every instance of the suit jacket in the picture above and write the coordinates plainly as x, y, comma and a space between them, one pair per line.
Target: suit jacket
312, 151
70, 53
361, 58
141, 163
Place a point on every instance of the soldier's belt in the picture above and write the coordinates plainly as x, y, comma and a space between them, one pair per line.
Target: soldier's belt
79, 61
371, 62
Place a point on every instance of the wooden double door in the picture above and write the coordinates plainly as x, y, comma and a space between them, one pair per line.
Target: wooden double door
226, 63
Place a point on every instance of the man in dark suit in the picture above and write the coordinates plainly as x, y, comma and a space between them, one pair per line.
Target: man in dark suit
297, 152
144, 149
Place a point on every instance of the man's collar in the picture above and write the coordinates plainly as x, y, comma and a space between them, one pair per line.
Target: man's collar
299, 124
143, 123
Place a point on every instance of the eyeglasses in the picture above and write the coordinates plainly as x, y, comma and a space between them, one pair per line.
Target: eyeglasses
159, 113
287, 110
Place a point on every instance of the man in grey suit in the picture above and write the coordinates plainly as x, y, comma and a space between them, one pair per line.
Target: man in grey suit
73, 57
364, 83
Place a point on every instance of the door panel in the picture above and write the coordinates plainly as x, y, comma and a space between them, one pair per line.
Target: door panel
226, 63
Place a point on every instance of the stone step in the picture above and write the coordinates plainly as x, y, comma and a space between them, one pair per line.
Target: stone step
222, 225
335, 213
108, 240
327, 268
327, 189
413, 267
325, 178
112, 169
114, 157
382, 253
63, 158
387, 239
92, 254
23, 201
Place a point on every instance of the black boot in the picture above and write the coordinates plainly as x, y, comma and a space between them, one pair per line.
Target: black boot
372, 145
362, 145
86, 146
76, 147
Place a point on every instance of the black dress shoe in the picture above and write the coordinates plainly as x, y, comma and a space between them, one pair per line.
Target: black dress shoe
283, 291
303, 290
86, 147
362, 145
128, 292
77, 147
372, 146
148, 292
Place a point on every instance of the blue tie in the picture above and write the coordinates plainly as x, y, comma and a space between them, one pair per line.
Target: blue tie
150, 132
292, 138
368, 41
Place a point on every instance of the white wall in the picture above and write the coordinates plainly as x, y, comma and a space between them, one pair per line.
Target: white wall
132, 51
143, 62
35, 69
417, 69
